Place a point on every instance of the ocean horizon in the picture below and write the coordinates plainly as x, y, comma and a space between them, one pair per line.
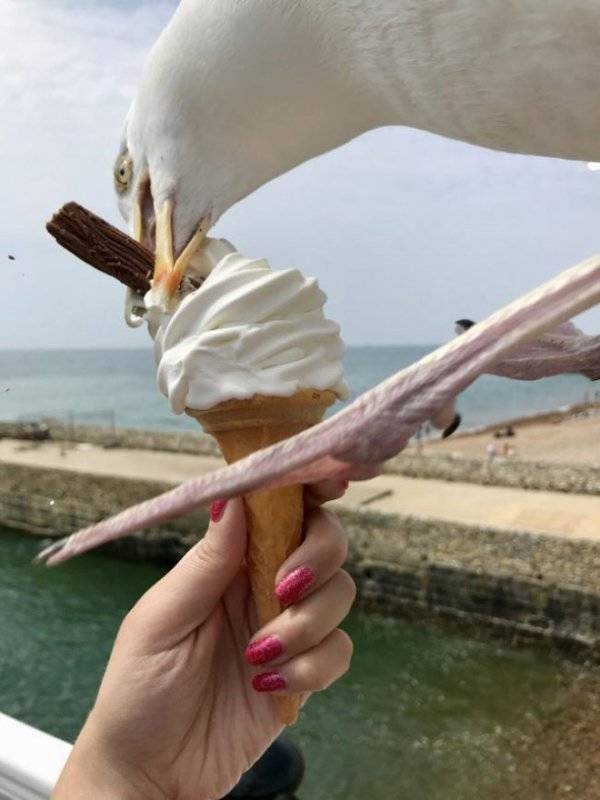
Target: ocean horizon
117, 386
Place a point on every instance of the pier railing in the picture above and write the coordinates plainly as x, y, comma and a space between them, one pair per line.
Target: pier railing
30, 761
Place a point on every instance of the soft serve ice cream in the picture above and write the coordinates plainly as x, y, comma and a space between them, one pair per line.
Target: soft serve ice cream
247, 330
249, 354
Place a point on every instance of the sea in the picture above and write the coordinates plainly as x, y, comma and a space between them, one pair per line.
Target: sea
117, 387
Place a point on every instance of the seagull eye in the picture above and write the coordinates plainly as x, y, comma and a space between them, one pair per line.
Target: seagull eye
122, 173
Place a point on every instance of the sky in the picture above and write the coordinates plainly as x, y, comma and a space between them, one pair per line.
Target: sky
405, 231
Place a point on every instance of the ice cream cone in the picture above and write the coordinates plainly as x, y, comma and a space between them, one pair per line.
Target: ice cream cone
274, 516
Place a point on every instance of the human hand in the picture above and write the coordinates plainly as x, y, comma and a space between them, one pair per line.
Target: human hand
181, 713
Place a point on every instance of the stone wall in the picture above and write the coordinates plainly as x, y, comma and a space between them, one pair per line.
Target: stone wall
545, 476
524, 587
54, 502
521, 586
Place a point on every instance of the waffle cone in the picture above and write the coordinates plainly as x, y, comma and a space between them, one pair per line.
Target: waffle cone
274, 516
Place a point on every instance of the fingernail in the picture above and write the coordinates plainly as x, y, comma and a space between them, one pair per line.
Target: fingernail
263, 650
268, 682
216, 510
292, 587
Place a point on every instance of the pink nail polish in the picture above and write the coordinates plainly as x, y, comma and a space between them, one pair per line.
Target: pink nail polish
216, 510
268, 682
294, 585
263, 650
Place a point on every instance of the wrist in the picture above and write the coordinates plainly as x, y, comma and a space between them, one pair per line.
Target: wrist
92, 773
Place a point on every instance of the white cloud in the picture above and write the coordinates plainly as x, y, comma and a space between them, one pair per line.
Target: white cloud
67, 74
406, 231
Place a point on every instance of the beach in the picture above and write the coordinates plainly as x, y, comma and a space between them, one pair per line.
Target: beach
560, 439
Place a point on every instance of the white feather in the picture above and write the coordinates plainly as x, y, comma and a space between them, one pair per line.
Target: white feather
236, 92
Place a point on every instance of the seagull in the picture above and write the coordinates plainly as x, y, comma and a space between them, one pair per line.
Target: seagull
233, 94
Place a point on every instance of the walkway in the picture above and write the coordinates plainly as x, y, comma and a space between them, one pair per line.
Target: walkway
570, 515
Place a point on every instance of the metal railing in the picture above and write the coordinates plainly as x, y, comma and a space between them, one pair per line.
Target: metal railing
30, 761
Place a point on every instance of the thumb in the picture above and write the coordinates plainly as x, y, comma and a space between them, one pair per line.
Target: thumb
186, 596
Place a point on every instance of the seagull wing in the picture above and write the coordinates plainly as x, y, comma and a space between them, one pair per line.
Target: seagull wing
562, 349
378, 425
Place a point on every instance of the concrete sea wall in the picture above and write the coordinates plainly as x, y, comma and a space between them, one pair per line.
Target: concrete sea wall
51, 503
576, 478
527, 588
520, 586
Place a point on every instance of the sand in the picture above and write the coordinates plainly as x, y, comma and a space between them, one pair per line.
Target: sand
575, 441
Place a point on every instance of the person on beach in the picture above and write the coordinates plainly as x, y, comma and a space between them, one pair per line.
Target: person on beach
181, 711
491, 452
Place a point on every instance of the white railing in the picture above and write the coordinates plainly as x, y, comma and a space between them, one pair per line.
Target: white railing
30, 761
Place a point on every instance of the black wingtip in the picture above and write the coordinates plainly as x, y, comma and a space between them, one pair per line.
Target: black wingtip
465, 323
452, 427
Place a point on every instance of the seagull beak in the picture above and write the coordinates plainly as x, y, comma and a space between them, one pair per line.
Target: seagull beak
168, 270
156, 229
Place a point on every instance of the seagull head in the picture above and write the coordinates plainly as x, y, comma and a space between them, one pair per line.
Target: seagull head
208, 125
231, 95
463, 325
159, 194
